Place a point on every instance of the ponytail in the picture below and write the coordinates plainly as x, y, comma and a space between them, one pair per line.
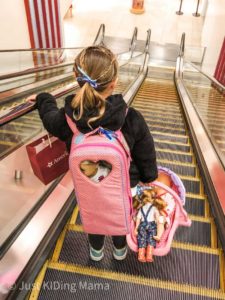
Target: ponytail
95, 67
86, 100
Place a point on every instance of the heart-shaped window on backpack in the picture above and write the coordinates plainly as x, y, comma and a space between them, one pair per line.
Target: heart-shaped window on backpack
95, 171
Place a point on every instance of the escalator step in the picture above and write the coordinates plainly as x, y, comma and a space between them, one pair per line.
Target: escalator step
198, 234
195, 206
192, 186
72, 285
154, 109
177, 266
172, 138
178, 157
163, 117
172, 146
161, 128
160, 123
182, 169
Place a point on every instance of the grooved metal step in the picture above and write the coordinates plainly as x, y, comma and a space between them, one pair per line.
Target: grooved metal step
198, 234
172, 146
74, 282
169, 137
174, 156
166, 129
75, 251
195, 206
181, 169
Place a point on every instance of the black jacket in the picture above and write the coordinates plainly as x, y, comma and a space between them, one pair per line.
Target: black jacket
134, 128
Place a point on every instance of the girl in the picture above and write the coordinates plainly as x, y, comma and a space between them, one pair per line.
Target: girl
96, 71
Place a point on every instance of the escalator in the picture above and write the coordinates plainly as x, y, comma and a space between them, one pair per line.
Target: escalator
194, 268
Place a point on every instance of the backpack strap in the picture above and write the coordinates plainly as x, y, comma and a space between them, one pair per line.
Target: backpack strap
147, 213
121, 139
72, 125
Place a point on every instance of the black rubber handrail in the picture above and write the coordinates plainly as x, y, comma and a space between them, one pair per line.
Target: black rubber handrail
131, 91
182, 45
101, 34
148, 40
133, 42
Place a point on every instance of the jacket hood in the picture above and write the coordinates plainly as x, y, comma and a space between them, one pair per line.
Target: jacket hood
113, 119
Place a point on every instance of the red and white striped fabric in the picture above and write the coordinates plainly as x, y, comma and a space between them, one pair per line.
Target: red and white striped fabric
45, 28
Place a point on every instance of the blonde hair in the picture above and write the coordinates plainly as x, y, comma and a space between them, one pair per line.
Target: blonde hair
95, 67
149, 196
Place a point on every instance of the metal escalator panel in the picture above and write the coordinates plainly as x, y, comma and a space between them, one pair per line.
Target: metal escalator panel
209, 103
193, 269
32, 72
127, 74
21, 62
6, 85
21, 130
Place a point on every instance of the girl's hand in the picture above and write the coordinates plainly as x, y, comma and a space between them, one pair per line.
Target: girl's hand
32, 98
135, 232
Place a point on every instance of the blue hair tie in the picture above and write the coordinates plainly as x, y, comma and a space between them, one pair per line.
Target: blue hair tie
86, 78
141, 189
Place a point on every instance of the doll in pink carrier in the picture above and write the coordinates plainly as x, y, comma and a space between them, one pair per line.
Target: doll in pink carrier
169, 189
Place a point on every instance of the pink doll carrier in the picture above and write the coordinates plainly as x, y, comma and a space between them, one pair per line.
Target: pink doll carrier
105, 206
176, 214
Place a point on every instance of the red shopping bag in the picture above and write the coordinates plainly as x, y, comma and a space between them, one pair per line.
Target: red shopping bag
48, 157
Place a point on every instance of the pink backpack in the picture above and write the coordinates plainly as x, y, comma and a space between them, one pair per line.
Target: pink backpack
105, 206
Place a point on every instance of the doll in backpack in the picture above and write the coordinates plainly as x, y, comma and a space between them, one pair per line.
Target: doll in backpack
150, 223
95, 171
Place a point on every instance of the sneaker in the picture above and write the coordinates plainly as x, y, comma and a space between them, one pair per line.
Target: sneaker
120, 254
96, 255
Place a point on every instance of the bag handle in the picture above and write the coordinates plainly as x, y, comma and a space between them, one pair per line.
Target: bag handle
49, 140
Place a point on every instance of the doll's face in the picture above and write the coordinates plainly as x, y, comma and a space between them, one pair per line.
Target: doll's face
165, 179
89, 168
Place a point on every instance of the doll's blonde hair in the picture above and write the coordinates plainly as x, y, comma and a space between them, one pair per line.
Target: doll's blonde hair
147, 196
